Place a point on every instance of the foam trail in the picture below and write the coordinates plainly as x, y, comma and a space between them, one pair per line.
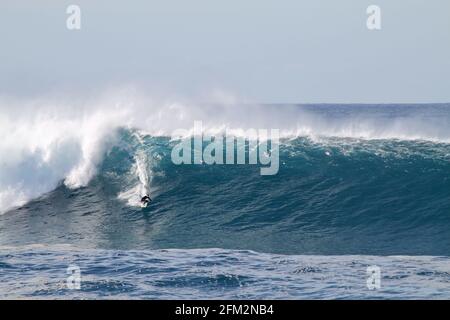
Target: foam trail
141, 170
142, 174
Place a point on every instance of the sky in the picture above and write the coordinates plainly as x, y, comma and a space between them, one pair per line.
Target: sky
267, 51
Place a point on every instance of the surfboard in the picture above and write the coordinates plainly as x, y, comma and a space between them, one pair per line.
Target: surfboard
144, 204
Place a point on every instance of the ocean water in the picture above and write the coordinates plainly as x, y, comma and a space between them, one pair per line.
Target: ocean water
357, 186
40, 272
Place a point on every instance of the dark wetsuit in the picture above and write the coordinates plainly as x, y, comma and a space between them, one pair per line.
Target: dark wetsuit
146, 199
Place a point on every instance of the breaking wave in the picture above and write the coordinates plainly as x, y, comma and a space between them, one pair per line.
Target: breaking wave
49, 141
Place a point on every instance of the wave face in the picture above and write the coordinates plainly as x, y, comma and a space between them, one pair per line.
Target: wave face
352, 180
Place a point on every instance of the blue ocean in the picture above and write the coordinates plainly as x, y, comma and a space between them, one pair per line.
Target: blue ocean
357, 186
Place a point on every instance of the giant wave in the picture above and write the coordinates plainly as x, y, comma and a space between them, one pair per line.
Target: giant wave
378, 174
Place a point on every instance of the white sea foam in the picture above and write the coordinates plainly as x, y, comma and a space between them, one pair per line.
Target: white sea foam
48, 140
140, 178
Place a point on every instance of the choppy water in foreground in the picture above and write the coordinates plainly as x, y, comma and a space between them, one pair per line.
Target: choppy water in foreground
41, 272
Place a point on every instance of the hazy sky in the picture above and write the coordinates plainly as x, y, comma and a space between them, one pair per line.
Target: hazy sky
261, 50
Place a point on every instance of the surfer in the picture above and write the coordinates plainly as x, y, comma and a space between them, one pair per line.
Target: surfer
145, 200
